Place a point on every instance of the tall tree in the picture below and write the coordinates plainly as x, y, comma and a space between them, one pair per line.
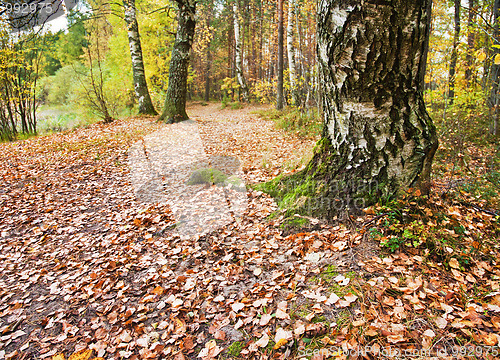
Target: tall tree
279, 98
494, 99
454, 54
139, 75
377, 137
174, 109
291, 52
470, 41
239, 53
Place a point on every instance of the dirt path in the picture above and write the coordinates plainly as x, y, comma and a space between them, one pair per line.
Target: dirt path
83, 264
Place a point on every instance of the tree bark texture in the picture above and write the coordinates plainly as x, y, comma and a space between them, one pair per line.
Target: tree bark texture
175, 102
140, 85
494, 99
378, 138
291, 52
454, 54
239, 53
279, 97
469, 58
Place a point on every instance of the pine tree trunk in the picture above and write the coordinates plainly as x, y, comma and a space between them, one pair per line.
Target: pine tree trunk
140, 85
239, 54
378, 138
291, 52
454, 54
175, 102
279, 97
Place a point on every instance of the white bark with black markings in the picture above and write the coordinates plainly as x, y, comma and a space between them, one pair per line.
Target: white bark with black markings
134, 40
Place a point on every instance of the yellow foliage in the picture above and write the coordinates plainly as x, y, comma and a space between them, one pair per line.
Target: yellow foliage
497, 59
481, 56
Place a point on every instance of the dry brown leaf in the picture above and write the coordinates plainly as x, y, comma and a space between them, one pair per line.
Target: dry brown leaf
394, 339
220, 335
263, 341
264, 320
237, 306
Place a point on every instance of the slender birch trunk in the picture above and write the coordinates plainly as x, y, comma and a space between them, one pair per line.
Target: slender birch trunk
239, 53
291, 52
454, 54
139, 75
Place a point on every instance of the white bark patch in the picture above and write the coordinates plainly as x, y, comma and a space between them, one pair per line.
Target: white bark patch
339, 17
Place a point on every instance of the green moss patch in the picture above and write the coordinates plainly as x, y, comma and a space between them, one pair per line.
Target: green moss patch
207, 176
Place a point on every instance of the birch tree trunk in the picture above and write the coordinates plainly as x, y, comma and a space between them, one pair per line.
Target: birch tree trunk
175, 101
377, 138
140, 85
454, 54
291, 52
469, 58
239, 53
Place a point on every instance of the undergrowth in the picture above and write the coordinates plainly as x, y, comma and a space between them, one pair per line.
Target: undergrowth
438, 228
303, 122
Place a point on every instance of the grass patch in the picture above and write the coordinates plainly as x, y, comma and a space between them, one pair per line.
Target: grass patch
328, 276
294, 223
235, 348
304, 123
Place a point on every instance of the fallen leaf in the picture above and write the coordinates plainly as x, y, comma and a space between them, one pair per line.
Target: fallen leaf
81, 355
263, 341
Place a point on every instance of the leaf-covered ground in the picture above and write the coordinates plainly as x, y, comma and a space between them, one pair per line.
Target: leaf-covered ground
85, 266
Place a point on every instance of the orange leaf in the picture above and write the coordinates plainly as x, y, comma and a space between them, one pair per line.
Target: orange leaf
158, 291
81, 355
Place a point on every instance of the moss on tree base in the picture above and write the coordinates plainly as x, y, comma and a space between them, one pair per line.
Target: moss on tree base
324, 189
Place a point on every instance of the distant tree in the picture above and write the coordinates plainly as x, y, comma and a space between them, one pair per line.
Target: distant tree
279, 97
470, 41
239, 53
98, 33
291, 52
72, 42
454, 53
174, 109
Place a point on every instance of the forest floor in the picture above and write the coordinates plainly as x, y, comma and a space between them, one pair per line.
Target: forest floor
85, 266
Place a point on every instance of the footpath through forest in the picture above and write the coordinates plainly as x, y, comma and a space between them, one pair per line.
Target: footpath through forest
94, 258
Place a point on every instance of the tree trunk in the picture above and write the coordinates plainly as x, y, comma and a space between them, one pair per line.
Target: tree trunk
279, 97
469, 59
134, 41
239, 53
207, 75
209, 63
493, 101
378, 138
454, 54
175, 102
291, 52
